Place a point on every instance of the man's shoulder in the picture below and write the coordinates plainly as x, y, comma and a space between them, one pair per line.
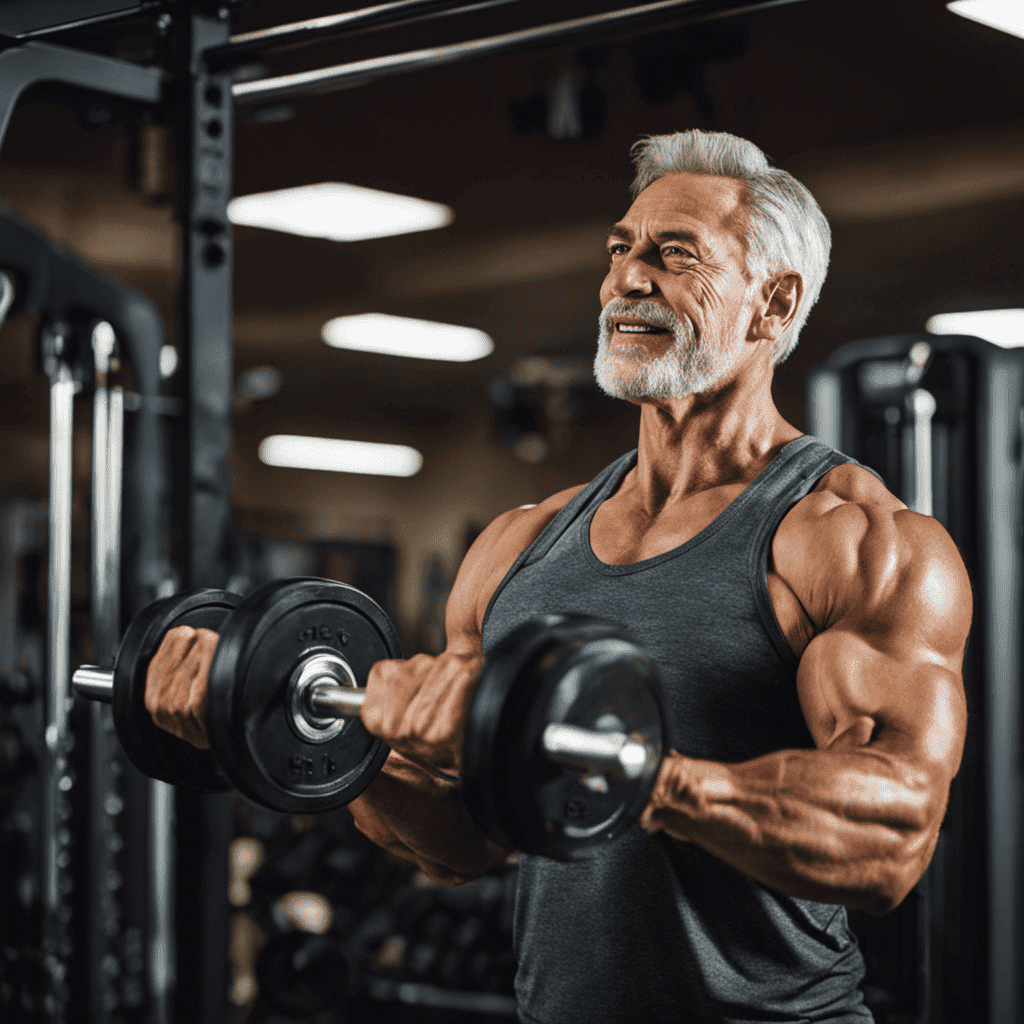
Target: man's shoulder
851, 545
849, 484
514, 531
848, 502
493, 554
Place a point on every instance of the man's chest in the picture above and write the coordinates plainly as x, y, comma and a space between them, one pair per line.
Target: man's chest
622, 533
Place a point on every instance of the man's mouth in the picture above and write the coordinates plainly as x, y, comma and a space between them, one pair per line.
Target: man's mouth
638, 328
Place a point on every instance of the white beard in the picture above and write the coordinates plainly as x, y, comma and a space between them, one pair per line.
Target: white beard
687, 368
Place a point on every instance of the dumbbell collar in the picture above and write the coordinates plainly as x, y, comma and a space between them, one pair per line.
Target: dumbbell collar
316, 690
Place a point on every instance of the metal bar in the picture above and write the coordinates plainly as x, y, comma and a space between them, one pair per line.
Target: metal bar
114, 11
31, 63
57, 778
329, 700
588, 749
204, 135
162, 959
94, 682
315, 30
999, 619
923, 406
611, 752
107, 440
6, 296
203, 122
108, 419
663, 14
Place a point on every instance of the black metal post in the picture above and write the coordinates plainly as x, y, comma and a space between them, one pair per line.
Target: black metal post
203, 119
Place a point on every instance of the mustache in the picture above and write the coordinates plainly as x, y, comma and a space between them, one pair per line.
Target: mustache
644, 309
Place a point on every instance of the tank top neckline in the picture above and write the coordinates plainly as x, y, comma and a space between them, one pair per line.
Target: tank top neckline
786, 453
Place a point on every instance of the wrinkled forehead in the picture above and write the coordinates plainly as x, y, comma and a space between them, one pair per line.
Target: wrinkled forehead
708, 204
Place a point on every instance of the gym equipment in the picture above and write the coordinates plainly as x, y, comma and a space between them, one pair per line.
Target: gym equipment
301, 974
285, 698
939, 417
590, 699
153, 751
296, 634
568, 688
289, 632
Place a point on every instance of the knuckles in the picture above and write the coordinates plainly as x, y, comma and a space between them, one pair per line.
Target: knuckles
415, 705
176, 694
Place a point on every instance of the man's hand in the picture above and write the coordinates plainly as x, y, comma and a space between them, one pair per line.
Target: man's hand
176, 683
419, 706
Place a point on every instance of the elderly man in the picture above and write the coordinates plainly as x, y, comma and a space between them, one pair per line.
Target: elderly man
809, 628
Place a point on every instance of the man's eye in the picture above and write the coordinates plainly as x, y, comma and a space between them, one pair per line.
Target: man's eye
674, 250
617, 249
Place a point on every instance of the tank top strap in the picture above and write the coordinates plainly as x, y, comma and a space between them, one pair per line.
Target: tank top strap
789, 479
595, 492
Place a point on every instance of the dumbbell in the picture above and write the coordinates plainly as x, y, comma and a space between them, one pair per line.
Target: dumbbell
154, 752
283, 633
563, 739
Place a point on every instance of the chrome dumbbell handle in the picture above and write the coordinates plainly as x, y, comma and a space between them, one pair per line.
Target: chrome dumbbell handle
613, 753
324, 700
94, 682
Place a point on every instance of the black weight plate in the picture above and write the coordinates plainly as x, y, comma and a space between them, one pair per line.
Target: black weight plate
154, 752
577, 671
303, 975
261, 644
491, 722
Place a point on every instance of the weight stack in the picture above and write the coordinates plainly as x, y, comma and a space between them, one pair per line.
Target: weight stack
941, 419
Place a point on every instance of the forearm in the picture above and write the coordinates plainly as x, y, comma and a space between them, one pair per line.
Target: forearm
853, 828
419, 817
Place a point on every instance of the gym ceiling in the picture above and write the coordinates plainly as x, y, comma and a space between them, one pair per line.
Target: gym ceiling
906, 122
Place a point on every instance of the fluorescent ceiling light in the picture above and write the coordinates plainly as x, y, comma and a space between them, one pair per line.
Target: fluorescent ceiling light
402, 336
1004, 15
342, 213
1003, 327
295, 452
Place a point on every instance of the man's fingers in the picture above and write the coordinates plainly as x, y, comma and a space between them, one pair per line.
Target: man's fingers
176, 683
418, 706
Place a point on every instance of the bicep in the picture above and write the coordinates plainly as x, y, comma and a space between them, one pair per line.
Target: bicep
887, 672
854, 694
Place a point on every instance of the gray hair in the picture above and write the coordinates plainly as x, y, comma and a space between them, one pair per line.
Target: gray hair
786, 229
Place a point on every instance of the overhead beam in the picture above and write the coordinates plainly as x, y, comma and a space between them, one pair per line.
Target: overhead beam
249, 45
660, 15
34, 63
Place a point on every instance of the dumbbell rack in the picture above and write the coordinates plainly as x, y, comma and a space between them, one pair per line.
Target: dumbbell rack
403, 942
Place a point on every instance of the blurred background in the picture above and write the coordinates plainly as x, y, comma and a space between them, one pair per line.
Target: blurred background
904, 119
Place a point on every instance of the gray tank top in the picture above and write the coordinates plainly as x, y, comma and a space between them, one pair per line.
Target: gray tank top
653, 929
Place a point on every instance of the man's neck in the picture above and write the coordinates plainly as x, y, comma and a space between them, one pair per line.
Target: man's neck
723, 437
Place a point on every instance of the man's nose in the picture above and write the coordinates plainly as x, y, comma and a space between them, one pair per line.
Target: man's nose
630, 276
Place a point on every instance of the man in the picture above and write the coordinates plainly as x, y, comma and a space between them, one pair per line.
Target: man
809, 627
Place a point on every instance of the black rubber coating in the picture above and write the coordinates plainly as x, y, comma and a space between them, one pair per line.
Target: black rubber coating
559, 669
261, 643
154, 752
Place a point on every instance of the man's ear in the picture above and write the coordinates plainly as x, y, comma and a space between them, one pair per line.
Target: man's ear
776, 306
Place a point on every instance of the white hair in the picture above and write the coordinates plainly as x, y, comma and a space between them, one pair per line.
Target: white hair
786, 229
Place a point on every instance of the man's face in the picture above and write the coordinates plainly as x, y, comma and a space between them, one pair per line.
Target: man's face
675, 298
